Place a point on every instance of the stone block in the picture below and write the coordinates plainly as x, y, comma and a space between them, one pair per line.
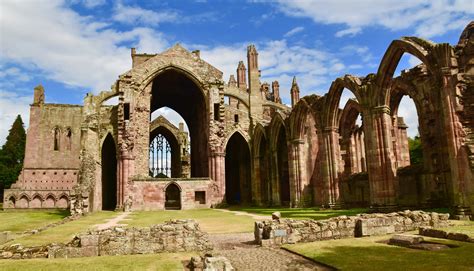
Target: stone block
89, 240
405, 240
458, 236
430, 232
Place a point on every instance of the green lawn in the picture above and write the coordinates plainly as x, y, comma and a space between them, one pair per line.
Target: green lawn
163, 261
19, 221
300, 213
210, 220
367, 254
65, 232
466, 227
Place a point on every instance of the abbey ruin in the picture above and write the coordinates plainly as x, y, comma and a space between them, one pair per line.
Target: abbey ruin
246, 147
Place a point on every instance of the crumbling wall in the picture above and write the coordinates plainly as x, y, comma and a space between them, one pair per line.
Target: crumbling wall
172, 236
277, 232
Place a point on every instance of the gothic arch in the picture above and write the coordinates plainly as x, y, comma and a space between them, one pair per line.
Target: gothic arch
330, 112
242, 133
414, 46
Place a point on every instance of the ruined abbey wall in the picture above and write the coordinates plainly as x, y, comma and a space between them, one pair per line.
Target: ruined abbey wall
246, 147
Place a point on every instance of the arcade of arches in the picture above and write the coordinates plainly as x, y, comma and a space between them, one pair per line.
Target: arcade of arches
245, 147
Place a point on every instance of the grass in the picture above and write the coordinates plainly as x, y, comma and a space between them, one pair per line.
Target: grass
65, 232
459, 226
162, 261
300, 213
20, 221
210, 220
367, 254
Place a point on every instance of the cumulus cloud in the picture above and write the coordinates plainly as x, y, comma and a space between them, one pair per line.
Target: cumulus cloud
12, 104
427, 18
407, 110
280, 61
75, 49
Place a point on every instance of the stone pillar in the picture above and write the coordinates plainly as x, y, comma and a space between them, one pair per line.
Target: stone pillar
217, 173
402, 141
461, 175
331, 164
274, 184
139, 130
380, 158
241, 76
296, 171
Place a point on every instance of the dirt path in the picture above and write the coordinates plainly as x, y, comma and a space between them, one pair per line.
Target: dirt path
244, 254
254, 216
113, 222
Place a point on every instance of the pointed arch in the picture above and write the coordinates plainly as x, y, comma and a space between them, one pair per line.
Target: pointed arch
238, 186
331, 109
50, 201
240, 132
277, 122
414, 46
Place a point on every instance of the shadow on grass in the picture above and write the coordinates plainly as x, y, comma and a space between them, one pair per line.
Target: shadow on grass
392, 258
299, 213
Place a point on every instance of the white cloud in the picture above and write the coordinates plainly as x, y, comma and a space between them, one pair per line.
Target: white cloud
352, 31
407, 110
171, 115
12, 104
93, 3
293, 31
75, 49
280, 61
134, 14
427, 18
413, 61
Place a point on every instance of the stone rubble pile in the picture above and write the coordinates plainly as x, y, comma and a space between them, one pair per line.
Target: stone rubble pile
277, 232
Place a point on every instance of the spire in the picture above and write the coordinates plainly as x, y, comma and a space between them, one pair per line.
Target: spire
232, 82
241, 76
295, 92
276, 92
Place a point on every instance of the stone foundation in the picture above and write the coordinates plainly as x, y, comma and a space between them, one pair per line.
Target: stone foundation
172, 236
277, 232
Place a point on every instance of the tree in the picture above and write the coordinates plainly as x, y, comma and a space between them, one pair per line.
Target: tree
416, 150
12, 154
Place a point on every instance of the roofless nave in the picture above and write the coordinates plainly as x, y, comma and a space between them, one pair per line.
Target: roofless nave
253, 149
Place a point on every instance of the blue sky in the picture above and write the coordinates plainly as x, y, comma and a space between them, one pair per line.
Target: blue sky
73, 47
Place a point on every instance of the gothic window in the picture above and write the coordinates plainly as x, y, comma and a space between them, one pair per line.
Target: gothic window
160, 157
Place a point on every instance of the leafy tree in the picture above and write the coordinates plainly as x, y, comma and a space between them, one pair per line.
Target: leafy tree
12, 154
416, 150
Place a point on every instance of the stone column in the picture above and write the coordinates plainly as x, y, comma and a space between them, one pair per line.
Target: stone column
380, 158
461, 174
296, 171
217, 173
331, 165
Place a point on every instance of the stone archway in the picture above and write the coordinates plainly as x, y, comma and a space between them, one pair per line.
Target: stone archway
109, 174
282, 167
172, 197
175, 89
237, 170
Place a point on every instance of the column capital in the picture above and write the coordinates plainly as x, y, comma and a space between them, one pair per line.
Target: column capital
384, 109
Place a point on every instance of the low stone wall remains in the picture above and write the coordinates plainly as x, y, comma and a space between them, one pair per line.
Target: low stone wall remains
172, 236
283, 231
443, 234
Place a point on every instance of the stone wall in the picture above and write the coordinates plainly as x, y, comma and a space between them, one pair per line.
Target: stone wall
150, 194
172, 236
277, 232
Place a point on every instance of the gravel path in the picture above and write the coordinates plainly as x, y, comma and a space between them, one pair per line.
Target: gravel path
113, 222
244, 254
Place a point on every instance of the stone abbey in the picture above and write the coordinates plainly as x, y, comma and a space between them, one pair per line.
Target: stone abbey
246, 147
